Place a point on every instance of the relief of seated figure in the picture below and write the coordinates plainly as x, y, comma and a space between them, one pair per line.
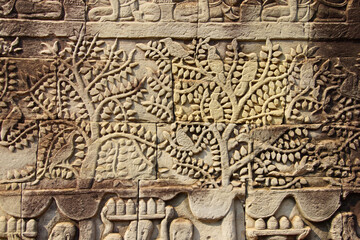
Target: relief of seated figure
125, 10
34, 9
205, 10
305, 10
39, 9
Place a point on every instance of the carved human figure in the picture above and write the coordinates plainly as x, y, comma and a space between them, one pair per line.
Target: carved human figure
37, 9
118, 10
304, 10
63, 231
148, 12
141, 230
181, 229
344, 226
205, 10
334, 10
126, 10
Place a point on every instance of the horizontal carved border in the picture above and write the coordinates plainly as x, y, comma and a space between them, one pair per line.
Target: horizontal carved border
182, 30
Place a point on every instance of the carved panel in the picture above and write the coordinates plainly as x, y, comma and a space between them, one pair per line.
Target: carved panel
168, 120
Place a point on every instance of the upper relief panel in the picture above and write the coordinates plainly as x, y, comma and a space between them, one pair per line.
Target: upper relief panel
182, 11
164, 10
304, 10
43, 9
222, 10
183, 19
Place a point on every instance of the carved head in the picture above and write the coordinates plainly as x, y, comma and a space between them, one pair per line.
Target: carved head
63, 231
181, 229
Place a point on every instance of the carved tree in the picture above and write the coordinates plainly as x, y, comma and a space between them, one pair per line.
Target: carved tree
80, 99
253, 89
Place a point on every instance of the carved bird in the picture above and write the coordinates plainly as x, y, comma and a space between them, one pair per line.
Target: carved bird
307, 75
183, 139
10, 121
350, 86
63, 154
175, 49
248, 74
214, 60
216, 110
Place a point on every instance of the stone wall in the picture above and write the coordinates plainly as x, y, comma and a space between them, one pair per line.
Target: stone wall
169, 120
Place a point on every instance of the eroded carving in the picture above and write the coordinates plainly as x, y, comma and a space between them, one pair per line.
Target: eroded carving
45, 9
13, 228
343, 226
169, 139
304, 11
141, 217
281, 228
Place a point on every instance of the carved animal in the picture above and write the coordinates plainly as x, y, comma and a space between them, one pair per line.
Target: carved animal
175, 49
205, 11
305, 10
307, 74
350, 87
216, 110
248, 74
64, 153
183, 139
215, 63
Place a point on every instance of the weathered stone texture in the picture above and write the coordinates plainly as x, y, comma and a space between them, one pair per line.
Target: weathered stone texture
170, 120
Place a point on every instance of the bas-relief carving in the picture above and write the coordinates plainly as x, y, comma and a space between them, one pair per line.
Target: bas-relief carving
259, 91
219, 11
13, 228
304, 11
63, 231
188, 11
141, 220
201, 11
279, 119
43, 9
